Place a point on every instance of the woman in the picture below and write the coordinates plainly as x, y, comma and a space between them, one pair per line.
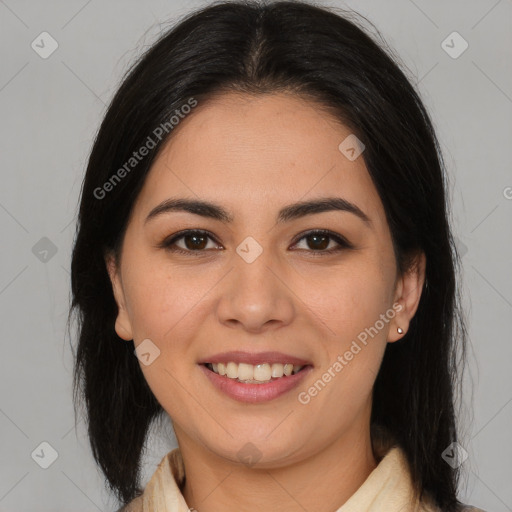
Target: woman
264, 220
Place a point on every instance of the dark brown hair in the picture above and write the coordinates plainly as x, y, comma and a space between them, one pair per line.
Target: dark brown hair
259, 48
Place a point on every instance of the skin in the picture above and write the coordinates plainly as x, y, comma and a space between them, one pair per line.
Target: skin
243, 152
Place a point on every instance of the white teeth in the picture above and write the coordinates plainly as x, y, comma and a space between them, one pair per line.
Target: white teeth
245, 371
254, 374
232, 370
262, 372
277, 370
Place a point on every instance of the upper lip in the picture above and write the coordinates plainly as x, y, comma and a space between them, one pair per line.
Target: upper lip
254, 358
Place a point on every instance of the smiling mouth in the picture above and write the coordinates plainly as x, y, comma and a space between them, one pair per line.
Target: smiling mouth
254, 374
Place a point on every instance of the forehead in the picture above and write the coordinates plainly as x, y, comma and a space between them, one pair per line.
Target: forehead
249, 152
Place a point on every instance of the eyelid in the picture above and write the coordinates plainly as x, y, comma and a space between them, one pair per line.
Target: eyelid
168, 241
339, 239
342, 242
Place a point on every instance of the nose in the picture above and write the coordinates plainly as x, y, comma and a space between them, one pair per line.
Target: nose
256, 296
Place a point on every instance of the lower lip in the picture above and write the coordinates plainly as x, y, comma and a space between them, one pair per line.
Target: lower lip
255, 393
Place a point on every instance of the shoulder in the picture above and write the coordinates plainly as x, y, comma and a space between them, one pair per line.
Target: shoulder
134, 506
428, 505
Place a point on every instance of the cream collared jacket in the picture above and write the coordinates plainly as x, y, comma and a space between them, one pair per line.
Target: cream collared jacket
388, 488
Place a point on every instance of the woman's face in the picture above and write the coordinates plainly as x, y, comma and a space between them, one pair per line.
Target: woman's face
261, 282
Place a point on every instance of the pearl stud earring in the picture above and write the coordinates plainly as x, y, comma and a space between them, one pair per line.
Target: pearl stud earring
400, 330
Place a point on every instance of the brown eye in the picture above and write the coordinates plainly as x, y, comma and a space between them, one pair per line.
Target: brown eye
320, 241
189, 241
195, 242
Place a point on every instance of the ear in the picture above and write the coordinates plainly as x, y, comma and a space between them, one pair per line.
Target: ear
408, 294
123, 325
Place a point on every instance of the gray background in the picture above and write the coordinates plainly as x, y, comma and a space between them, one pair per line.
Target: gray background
50, 110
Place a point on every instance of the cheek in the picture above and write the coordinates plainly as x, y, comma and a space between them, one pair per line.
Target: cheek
164, 308
348, 299
161, 299
349, 303
354, 349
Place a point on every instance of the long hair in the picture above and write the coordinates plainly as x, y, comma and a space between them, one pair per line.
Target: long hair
318, 53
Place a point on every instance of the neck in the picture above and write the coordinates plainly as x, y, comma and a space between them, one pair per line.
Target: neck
322, 482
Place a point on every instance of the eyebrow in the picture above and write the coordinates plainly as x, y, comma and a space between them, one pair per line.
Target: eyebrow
286, 214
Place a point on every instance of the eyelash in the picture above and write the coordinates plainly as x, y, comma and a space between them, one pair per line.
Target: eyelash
341, 241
